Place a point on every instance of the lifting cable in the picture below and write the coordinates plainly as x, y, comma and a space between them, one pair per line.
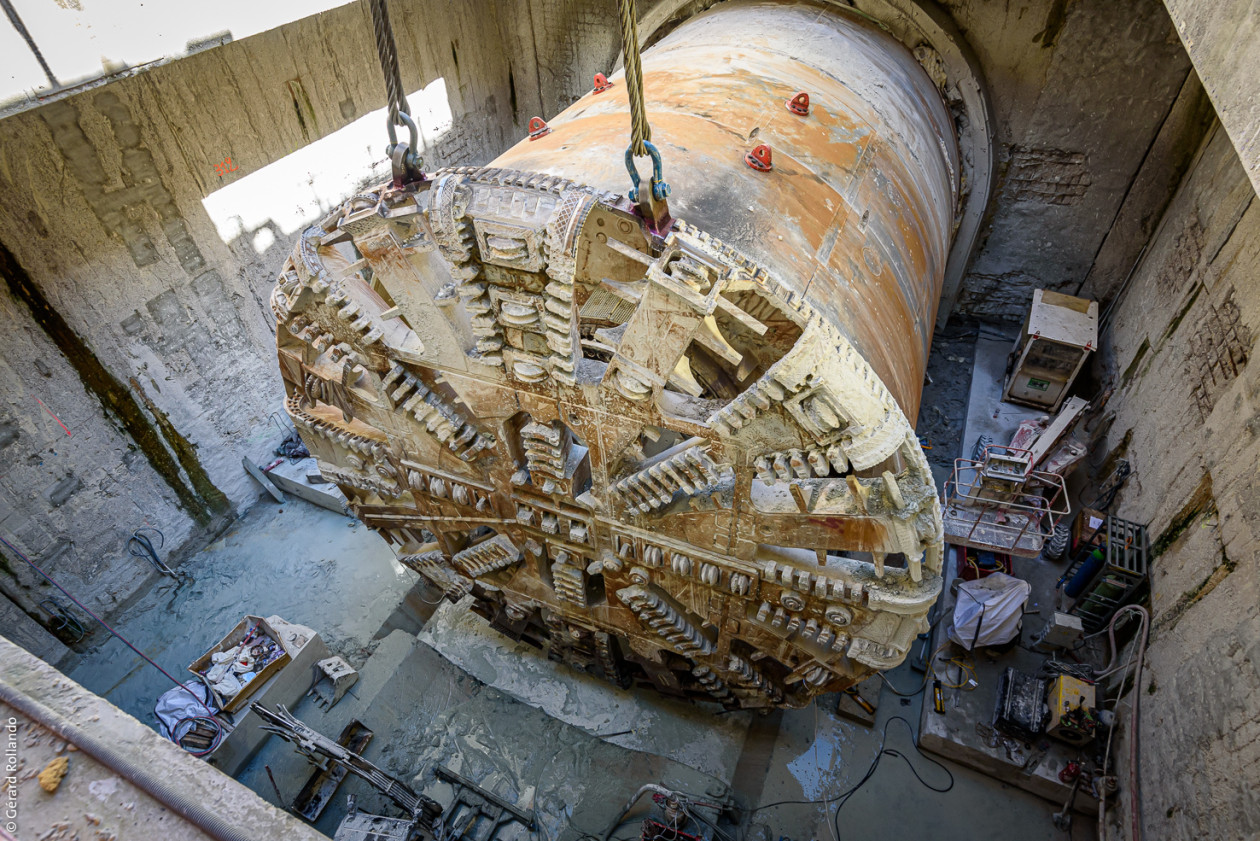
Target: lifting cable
405, 162
640, 130
651, 202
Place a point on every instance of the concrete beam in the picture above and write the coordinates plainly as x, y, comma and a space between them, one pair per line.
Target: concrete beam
114, 763
1223, 40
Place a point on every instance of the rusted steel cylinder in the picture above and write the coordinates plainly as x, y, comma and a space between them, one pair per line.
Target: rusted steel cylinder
858, 211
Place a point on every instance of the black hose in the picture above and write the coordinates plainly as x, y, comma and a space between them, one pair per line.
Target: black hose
140, 546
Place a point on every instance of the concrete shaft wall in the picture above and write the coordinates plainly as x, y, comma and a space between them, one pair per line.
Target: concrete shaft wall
1187, 417
126, 318
1097, 114
111, 261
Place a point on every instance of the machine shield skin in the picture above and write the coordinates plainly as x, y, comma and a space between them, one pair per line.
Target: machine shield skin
680, 455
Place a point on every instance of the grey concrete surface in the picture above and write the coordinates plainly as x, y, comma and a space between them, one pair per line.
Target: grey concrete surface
31, 635
94, 801
1094, 105
1076, 119
300, 562
954, 735
426, 711
1096, 110
686, 733
1187, 417
1222, 41
121, 290
818, 754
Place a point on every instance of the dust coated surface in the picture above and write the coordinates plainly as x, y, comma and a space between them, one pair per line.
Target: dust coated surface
92, 802
816, 754
684, 732
297, 561
425, 711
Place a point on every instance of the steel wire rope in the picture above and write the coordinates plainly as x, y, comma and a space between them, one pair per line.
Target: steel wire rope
640, 129
387, 52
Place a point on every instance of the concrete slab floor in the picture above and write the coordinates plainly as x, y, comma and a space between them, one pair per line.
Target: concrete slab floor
688, 733
815, 753
298, 561
954, 734
425, 711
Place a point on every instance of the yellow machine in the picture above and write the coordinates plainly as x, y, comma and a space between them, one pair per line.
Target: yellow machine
1073, 718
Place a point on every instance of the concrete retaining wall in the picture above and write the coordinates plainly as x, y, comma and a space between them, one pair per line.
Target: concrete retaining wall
1187, 417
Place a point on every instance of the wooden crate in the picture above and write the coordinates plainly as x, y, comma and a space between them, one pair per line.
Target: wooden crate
203, 663
1085, 524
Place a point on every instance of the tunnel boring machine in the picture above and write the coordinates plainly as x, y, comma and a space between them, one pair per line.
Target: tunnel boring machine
670, 443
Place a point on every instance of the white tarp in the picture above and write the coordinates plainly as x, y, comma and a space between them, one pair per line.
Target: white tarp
177, 704
988, 611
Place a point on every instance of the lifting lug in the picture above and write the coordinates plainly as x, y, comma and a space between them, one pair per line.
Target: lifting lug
759, 158
799, 104
538, 128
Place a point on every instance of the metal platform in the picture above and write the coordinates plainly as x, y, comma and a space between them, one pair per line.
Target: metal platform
1008, 512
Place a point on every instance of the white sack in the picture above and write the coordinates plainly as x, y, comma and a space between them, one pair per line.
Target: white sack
988, 611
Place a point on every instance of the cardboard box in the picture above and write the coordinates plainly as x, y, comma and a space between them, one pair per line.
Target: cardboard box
1085, 524
204, 662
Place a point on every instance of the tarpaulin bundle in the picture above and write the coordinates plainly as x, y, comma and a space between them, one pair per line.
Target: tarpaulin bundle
989, 610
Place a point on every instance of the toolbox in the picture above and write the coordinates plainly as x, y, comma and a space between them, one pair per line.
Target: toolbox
234, 637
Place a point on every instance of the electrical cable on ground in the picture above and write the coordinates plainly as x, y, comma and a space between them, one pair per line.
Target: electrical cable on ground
881, 752
62, 621
103, 623
139, 545
835, 818
929, 671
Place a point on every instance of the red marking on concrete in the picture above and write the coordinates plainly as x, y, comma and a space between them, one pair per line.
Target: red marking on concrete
54, 417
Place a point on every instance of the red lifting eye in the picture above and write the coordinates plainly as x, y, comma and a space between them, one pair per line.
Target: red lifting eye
538, 128
759, 159
601, 83
799, 104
